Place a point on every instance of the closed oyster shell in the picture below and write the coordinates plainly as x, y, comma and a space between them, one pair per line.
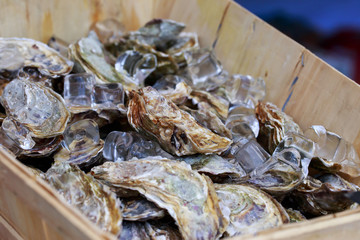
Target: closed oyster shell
86, 194
17, 53
161, 231
133, 231
274, 125
89, 54
176, 130
250, 210
33, 110
141, 209
188, 196
323, 195
215, 167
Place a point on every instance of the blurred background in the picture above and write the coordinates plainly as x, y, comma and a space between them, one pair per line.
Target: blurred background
330, 29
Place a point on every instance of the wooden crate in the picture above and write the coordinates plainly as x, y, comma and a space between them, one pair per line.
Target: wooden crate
307, 88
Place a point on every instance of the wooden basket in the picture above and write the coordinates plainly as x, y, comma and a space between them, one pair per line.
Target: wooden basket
303, 85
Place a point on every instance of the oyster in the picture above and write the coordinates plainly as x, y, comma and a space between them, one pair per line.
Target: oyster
333, 153
83, 192
123, 146
250, 210
59, 45
82, 144
89, 53
176, 130
162, 231
43, 147
141, 210
32, 111
294, 215
134, 231
209, 120
17, 53
323, 195
188, 196
274, 125
215, 166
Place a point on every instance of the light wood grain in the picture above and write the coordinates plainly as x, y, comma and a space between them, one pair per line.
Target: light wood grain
7, 231
246, 45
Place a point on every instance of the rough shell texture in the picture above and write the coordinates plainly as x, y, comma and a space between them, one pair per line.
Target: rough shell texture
274, 125
176, 130
86, 194
31, 53
38, 108
323, 195
133, 231
187, 196
215, 166
250, 210
141, 209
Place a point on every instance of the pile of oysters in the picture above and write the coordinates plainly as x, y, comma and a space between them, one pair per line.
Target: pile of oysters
149, 137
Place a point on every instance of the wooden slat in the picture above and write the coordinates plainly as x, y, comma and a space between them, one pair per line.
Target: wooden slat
7, 231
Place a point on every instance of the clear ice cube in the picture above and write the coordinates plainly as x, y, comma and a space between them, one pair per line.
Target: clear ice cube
136, 65
108, 96
18, 133
334, 149
78, 89
123, 146
249, 154
202, 65
242, 121
245, 89
84, 131
9, 144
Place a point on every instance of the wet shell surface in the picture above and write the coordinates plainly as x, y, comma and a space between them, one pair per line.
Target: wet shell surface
86, 194
176, 130
25, 52
187, 196
250, 210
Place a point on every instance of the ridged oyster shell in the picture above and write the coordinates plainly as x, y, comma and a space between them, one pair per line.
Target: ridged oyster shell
86, 194
250, 210
17, 53
176, 130
188, 196
34, 110
274, 125
140, 209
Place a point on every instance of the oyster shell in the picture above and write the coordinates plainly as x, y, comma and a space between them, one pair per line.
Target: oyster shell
175, 130
294, 215
323, 195
141, 210
134, 231
59, 45
215, 166
188, 196
43, 147
250, 210
89, 53
162, 231
333, 153
17, 53
33, 111
274, 125
82, 144
108, 30
83, 192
